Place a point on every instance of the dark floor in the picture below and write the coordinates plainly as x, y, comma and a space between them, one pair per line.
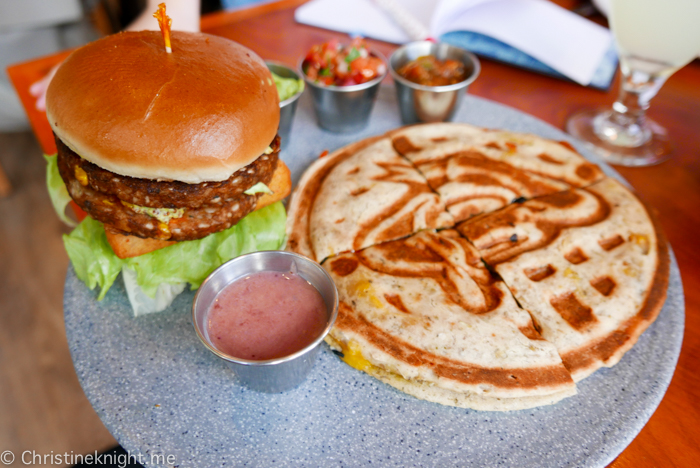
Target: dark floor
42, 407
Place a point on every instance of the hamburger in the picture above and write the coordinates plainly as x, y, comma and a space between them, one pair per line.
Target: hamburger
163, 151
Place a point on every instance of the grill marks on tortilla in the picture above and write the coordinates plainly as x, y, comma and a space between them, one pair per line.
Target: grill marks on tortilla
576, 314
416, 207
300, 232
395, 300
359, 191
531, 331
428, 256
388, 333
604, 285
487, 183
623, 338
344, 266
480, 231
539, 273
478, 170
446, 368
611, 242
498, 184
501, 236
587, 171
521, 182
404, 225
593, 299
548, 159
576, 256
404, 146
567, 145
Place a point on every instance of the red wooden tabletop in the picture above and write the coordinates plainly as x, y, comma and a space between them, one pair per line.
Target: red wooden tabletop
672, 435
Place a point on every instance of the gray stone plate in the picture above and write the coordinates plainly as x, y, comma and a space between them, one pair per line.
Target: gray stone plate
161, 393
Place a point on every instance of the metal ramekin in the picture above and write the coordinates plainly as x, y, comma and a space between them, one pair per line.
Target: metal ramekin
419, 103
287, 107
272, 375
344, 109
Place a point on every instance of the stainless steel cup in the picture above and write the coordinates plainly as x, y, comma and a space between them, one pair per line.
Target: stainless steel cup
272, 375
344, 109
419, 103
287, 107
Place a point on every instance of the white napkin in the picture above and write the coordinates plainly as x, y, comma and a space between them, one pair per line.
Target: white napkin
570, 44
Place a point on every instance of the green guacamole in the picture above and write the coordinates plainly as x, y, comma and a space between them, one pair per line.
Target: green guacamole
287, 87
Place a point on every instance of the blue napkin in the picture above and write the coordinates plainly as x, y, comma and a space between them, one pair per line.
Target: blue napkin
494, 49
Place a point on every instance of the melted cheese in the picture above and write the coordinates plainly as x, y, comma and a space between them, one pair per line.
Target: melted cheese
164, 215
81, 176
364, 289
642, 241
354, 358
258, 188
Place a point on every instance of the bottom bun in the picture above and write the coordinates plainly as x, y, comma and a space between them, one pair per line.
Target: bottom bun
126, 246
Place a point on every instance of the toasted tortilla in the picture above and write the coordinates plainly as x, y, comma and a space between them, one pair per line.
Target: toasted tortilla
430, 392
586, 263
358, 196
476, 170
590, 265
424, 315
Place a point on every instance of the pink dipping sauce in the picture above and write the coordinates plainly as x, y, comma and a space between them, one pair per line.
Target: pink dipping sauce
266, 315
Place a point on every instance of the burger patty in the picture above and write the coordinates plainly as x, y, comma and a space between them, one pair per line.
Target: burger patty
195, 223
194, 216
169, 194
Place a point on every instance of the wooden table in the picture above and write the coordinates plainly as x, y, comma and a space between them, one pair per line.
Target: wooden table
672, 435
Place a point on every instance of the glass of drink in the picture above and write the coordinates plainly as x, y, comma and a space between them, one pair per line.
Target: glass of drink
654, 39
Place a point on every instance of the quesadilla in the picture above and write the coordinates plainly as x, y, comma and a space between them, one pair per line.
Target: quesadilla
358, 196
424, 315
475, 170
590, 265
583, 266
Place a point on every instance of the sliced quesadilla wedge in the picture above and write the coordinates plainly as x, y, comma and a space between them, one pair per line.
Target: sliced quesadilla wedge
476, 170
360, 195
424, 315
590, 265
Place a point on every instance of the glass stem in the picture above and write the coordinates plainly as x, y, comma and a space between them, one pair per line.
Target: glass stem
626, 124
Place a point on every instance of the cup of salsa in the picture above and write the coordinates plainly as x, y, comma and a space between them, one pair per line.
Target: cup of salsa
290, 86
343, 81
431, 80
265, 314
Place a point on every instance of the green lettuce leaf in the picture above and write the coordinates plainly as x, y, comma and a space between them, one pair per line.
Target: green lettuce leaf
57, 189
185, 262
91, 255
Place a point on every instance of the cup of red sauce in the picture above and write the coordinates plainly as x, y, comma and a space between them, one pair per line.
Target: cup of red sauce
265, 314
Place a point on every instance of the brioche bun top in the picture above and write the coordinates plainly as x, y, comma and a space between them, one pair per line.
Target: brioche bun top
197, 114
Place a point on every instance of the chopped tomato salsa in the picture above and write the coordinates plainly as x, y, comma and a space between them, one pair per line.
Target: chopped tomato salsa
332, 64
